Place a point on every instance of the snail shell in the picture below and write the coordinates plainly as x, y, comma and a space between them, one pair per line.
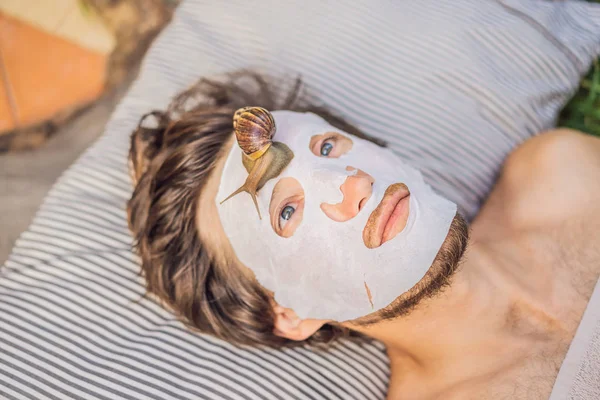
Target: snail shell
254, 129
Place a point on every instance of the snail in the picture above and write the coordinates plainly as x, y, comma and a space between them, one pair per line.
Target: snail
263, 158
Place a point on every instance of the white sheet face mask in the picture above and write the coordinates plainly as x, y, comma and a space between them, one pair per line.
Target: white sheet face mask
321, 270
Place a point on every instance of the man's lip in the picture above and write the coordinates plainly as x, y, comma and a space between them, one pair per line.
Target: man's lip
389, 217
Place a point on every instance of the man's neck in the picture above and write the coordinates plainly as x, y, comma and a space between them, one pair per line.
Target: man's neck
488, 319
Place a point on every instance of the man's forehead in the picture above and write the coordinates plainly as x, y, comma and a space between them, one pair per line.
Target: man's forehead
290, 125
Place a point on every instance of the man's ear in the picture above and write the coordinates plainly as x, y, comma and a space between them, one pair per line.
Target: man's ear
288, 325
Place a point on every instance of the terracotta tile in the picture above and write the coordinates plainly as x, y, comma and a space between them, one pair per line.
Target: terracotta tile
47, 73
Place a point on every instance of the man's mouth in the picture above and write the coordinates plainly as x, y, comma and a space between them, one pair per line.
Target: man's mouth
389, 218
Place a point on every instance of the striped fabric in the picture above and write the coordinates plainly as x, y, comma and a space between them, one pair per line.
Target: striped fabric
453, 85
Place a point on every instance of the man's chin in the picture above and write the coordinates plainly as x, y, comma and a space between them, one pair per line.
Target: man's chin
438, 276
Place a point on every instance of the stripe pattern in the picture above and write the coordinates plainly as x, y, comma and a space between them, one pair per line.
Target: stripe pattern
452, 85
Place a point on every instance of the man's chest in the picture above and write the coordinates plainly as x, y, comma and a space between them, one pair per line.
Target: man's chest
533, 381
566, 265
575, 261
562, 265
545, 210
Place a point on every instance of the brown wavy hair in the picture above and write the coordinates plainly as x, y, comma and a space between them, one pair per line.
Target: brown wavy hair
170, 163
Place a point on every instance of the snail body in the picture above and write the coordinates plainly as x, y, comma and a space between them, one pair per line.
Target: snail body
263, 158
278, 157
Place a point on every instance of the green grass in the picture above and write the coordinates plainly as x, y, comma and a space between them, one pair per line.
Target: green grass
583, 111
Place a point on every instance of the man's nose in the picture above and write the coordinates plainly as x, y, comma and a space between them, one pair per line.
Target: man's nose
357, 189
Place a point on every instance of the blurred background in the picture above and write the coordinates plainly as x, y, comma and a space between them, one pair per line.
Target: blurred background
64, 65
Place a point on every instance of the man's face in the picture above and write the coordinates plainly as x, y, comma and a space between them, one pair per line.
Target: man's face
350, 226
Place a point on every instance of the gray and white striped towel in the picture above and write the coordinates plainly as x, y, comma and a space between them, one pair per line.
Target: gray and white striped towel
453, 85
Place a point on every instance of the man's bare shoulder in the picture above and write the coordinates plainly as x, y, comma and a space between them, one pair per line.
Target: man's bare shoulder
550, 179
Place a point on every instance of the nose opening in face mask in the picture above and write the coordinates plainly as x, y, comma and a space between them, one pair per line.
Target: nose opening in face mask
356, 190
351, 171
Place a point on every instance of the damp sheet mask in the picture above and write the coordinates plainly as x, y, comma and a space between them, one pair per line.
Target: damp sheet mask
323, 269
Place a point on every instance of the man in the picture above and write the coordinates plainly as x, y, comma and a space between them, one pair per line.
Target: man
501, 320
493, 322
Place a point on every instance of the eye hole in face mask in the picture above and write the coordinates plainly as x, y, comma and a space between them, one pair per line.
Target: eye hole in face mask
286, 207
330, 145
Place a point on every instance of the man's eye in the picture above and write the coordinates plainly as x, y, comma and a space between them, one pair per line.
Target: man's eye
285, 215
326, 148
330, 145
